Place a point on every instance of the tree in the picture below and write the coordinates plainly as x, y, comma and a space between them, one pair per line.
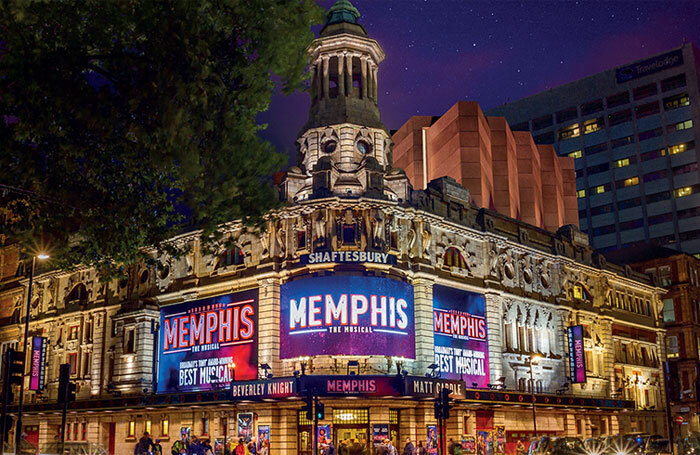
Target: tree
125, 121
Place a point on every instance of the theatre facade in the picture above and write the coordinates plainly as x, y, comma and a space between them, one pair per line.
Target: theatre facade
370, 294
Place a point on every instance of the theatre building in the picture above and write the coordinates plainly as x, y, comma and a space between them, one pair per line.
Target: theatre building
361, 290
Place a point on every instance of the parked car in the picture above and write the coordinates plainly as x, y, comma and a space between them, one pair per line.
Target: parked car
689, 445
557, 446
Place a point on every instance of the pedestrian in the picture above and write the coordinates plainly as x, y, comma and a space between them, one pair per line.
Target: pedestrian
330, 448
252, 447
391, 450
206, 448
421, 449
179, 447
157, 448
451, 447
144, 445
409, 448
240, 448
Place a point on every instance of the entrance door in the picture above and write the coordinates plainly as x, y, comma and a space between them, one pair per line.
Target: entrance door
112, 438
356, 438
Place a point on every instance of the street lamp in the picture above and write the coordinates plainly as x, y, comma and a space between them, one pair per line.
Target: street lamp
18, 427
533, 357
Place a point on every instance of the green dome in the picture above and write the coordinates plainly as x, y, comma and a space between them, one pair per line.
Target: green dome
342, 18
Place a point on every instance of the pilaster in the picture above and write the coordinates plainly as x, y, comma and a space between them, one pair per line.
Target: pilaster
269, 324
423, 304
494, 317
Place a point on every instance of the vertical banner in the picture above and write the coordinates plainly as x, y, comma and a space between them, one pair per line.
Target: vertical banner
577, 355
38, 366
245, 425
202, 340
432, 442
460, 335
263, 437
500, 439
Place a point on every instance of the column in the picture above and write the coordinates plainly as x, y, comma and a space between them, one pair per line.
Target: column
269, 325
312, 70
363, 68
423, 303
98, 359
494, 316
370, 80
348, 80
407, 425
326, 84
375, 83
341, 75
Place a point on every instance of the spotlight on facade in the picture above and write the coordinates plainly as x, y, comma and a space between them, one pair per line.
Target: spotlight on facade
267, 374
434, 371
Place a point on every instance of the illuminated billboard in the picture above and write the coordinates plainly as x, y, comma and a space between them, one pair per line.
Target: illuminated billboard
460, 335
346, 315
38, 366
577, 355
199, 340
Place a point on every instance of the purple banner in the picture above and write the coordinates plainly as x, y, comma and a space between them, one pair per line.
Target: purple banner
38, 366
577, 355
460, 335
205, 344
346, 315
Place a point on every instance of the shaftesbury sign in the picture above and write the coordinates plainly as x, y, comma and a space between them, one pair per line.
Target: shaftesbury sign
577, 356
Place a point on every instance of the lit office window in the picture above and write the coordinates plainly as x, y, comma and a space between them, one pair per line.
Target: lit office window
685, 191
631, 181
592, 125
622, 163
672, 348
147, 427
674, 102
569, 132
581, 193
668, 312
679, 148
131, 430
164, 427
599, 189
681, 126
576, 154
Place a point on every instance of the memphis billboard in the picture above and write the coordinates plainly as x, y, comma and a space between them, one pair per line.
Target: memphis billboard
460, 335
200, 340
346, 315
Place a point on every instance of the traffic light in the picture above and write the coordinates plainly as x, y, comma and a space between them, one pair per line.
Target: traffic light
309, 406
64, 383
15, 361
320, 409
71, 392
445, 403
437, 408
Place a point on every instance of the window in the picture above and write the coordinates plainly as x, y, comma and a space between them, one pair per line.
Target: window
164, 428
545, 138
569, 132
147, 426
593, 125
131, 429
78, 295
634, 224
73, 333
205, 427
599, 189
673, 82
581, 194
653, 154
672, 343
681, 192
619, 117
650, 134
580, 173
231, 256
73, 362
580, 292
690, 235
129, 341
83, 426
680, 148
453, 258
621, 142
567, 114
665, 275
592, 107
598, 168
576, 154
655, 175
687, 124
301, 239
608, 208
658, 219
688, 213
582, 214
623, 162
644, 91
348, 233
674, 102
351, 416
629, 203
646, 110
627, 182
603, 230
691, 167
597, 148
542, 122
618, 99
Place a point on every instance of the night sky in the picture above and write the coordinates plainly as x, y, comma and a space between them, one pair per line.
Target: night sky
441, 51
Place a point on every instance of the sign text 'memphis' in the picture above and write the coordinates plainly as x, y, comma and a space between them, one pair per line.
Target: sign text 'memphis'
458, 324
324, 310
231, 323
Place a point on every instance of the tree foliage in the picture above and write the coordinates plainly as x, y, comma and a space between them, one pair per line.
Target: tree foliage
124, 120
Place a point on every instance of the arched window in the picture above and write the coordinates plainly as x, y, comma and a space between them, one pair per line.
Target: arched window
453, 258
231, 256
78, 295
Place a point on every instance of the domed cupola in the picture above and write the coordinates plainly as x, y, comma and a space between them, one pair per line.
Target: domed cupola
344, 149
